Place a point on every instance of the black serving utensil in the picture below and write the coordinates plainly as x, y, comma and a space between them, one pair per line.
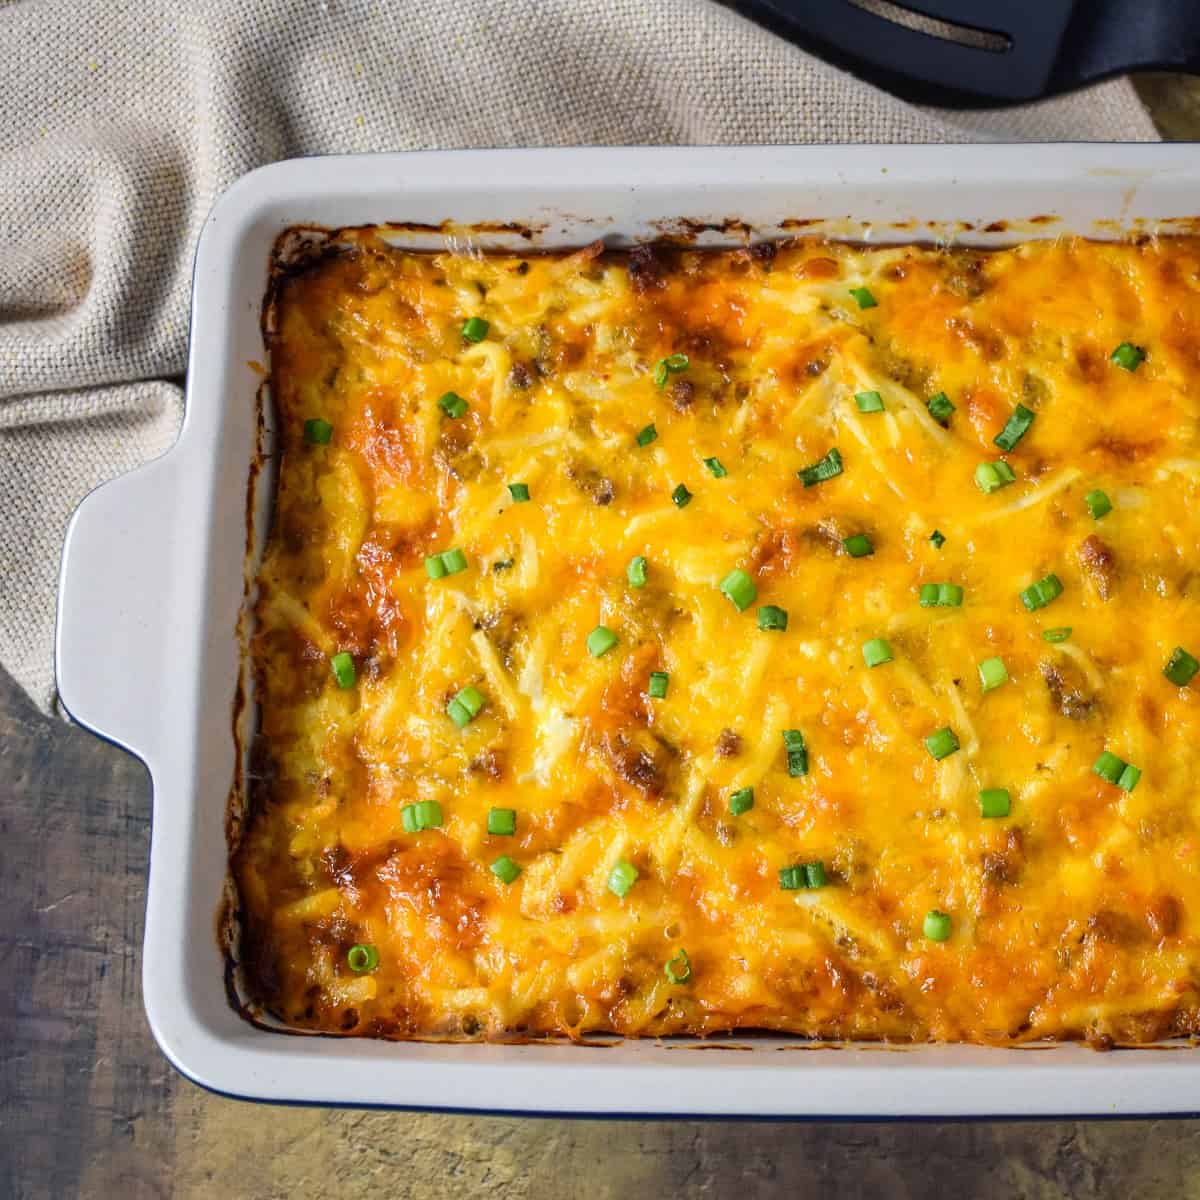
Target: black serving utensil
977, 53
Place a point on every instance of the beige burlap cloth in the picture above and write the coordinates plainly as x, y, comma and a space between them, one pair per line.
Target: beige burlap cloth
121, 121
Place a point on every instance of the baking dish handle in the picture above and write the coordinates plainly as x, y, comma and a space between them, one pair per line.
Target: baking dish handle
114, 609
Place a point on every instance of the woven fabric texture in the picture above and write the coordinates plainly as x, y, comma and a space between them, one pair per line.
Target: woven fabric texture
121, 121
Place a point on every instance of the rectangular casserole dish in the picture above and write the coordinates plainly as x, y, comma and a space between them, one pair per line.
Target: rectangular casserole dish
154, 572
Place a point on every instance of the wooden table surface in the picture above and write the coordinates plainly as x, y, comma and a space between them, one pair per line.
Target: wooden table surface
88, 1106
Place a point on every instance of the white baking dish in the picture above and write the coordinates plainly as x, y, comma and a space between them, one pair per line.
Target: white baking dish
153, 583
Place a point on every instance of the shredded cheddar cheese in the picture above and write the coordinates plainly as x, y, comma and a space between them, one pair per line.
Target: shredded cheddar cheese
856, 889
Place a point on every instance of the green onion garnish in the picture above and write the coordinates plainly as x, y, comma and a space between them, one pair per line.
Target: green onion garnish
666, 367
937, 925
876, 652
475, 329
449, 562
715, 468
678, 968
739, 588
1128, 356
994, 802
466, 706
823, 469
343, 669
658, 685
1129, 777
937, 539
941, 743
505, 869
622, 877
992, 673
681, 496
741, 801
647, 435
791, 879
1059, 634
362, 958
519, 492
635, 573
771, 616
1181, 667
797, 753
863, 297
1109, 766
940, 408
1098, 504
1015, 428
453, 405
814, 874
502, 822
600, 641
992, 476
940, 595
868, 402
425, 814
858, 545
1038, 595
318, 432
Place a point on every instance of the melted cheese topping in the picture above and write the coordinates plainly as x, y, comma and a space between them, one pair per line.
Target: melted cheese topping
1074, 916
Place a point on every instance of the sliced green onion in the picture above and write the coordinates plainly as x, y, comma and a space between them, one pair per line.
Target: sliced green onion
1098, 504
814, 874
863, 297
466, 706
937, 539
824, 468
739, 588
940, 595
1059, 634
936, 926
647, 435
1038, 595
622, 877
454, 561
666, 367
940, 408
1015, 428
942, 743
992, 673
502, 822
678, 968
1129, 356
519, 492
681, 496
858, 545
792, 879
927, 595
1129, 777
876, 652
771, 616
362, 959
475, 329
994, 802
425, 814
434, 567
318, 432
1108, 766
797, 753
600, 641
1181, 667
453, 405
715, 468
505, 869
659, 681
992, 476
868, 402
635, 573
741, 801
343, 669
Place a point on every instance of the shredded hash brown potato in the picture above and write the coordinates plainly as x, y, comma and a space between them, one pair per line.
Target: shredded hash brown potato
858, 890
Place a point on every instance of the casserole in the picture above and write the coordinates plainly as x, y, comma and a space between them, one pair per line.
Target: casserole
175, 610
